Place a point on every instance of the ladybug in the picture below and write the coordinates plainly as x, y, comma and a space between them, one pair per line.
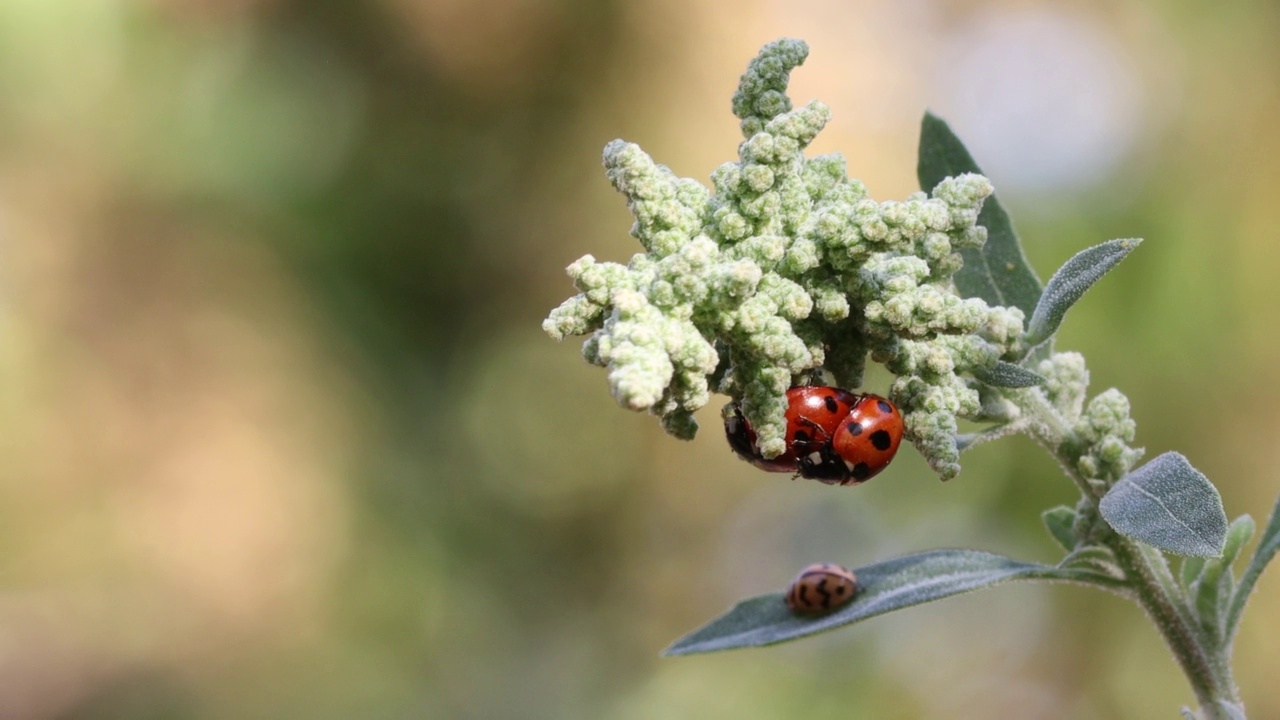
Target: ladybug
862, 445
814, 412
821, 588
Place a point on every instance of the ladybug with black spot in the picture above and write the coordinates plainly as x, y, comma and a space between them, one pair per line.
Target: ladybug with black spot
821, 588
833, 436
862, 445
814, 412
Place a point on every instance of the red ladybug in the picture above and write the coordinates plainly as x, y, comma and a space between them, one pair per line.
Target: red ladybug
862, 445
814, 413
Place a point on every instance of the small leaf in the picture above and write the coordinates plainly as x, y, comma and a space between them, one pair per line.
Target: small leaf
1097, 560
1212, 596
1070, 283
998, 271
882, 587
1213, 593
1059, 522
1169, 505
1213, 586
1238, 535
1268, 544
1189, 573
964, 441
1008, 375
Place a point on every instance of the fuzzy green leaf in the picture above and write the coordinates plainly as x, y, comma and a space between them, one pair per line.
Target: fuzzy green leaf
1097, 560
1213, 593
882, 587
1189, 572
998, 271
1069, 284
1238, 535
1169, 505
1059, 521
1008, 375
1214, 586
1268, 544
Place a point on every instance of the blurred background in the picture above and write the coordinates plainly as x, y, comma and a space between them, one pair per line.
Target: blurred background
281, 436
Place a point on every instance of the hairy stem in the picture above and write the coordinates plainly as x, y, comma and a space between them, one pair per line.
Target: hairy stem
1203, 659
1204, 664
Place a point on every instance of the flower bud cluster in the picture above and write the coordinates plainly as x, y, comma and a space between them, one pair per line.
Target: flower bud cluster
786, 271
1101, 438
1066, 382
1100, 432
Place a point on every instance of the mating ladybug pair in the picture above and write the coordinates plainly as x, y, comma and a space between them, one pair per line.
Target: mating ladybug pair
833, 435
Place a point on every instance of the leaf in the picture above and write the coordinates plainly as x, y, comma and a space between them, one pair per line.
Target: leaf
1238, 535
1098, 561
882, 587
1169, 505
998, 271
1059, 522
1189, 572
964, 441
1213, 588
1069, 284
1008, 375
1268, 544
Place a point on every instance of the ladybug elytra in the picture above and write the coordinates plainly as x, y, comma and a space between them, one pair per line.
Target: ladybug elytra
814, 412
863, 444
833, 436
820, 588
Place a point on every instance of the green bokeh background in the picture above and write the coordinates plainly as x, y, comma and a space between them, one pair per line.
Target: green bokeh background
282, 438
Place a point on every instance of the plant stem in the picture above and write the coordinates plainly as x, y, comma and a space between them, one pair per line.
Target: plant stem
1203, 661
1203, 658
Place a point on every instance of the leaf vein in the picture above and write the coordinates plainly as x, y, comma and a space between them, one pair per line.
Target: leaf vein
1178, 520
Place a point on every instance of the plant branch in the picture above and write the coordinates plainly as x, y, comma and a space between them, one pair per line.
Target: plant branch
1203, 659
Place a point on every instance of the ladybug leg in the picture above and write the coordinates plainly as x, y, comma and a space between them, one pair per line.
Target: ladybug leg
816, 374
807, 444
812, 452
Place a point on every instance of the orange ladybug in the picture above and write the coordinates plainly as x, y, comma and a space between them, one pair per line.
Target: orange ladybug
861, 446
821, 588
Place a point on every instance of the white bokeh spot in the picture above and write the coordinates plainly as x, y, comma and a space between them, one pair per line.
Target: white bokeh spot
1046, 100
